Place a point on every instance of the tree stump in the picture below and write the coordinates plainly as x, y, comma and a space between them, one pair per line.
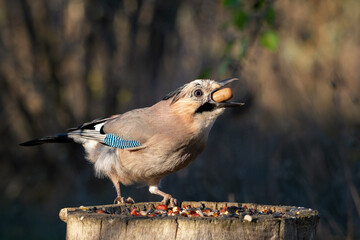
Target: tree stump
108, 222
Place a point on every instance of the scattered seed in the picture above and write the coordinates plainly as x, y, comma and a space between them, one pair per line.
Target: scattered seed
162, 207
83, 208
176, 210
149, 211
133, 212
100, 211
199, 212
161, 210
248, 218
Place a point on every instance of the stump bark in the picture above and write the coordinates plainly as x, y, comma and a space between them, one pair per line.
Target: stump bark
294, 223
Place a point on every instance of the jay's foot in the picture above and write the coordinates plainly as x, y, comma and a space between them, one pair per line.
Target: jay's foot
169, 200
119, 200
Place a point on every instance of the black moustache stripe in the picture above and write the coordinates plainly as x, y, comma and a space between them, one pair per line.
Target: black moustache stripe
206, 107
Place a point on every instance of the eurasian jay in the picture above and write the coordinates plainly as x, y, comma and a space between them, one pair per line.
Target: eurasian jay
143, 145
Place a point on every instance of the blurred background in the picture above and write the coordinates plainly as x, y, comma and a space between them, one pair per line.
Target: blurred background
296, 142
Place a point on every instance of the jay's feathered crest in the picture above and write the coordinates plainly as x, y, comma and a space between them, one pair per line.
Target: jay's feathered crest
175, 94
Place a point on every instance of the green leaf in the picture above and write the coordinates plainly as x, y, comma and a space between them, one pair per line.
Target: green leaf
269, 40
231, 3
240, 18
270, 16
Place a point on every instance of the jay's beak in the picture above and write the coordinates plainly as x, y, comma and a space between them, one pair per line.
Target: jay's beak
220, 96
227, 81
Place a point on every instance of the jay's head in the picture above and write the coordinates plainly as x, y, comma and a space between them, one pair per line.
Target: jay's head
202, 100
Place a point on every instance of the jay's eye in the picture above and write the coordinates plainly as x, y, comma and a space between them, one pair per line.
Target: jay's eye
198, 93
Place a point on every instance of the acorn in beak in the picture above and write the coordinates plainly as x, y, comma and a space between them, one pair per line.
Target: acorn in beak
220, 97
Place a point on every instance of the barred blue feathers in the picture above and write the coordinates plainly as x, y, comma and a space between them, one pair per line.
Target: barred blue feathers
117, 142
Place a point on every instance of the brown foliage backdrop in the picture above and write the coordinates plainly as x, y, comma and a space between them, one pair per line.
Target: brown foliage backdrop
63, 62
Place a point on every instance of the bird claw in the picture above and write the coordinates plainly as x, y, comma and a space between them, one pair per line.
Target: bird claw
169, 200
119, 200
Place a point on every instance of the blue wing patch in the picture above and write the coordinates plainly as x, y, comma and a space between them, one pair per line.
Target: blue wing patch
117, 142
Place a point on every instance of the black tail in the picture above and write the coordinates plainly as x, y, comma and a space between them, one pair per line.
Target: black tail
60, 138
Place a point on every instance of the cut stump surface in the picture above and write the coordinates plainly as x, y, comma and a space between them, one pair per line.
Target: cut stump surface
110, 222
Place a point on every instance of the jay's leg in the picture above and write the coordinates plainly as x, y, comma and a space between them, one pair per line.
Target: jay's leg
167, 198
120, 199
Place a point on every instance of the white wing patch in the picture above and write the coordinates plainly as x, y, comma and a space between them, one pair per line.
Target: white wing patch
99, 126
